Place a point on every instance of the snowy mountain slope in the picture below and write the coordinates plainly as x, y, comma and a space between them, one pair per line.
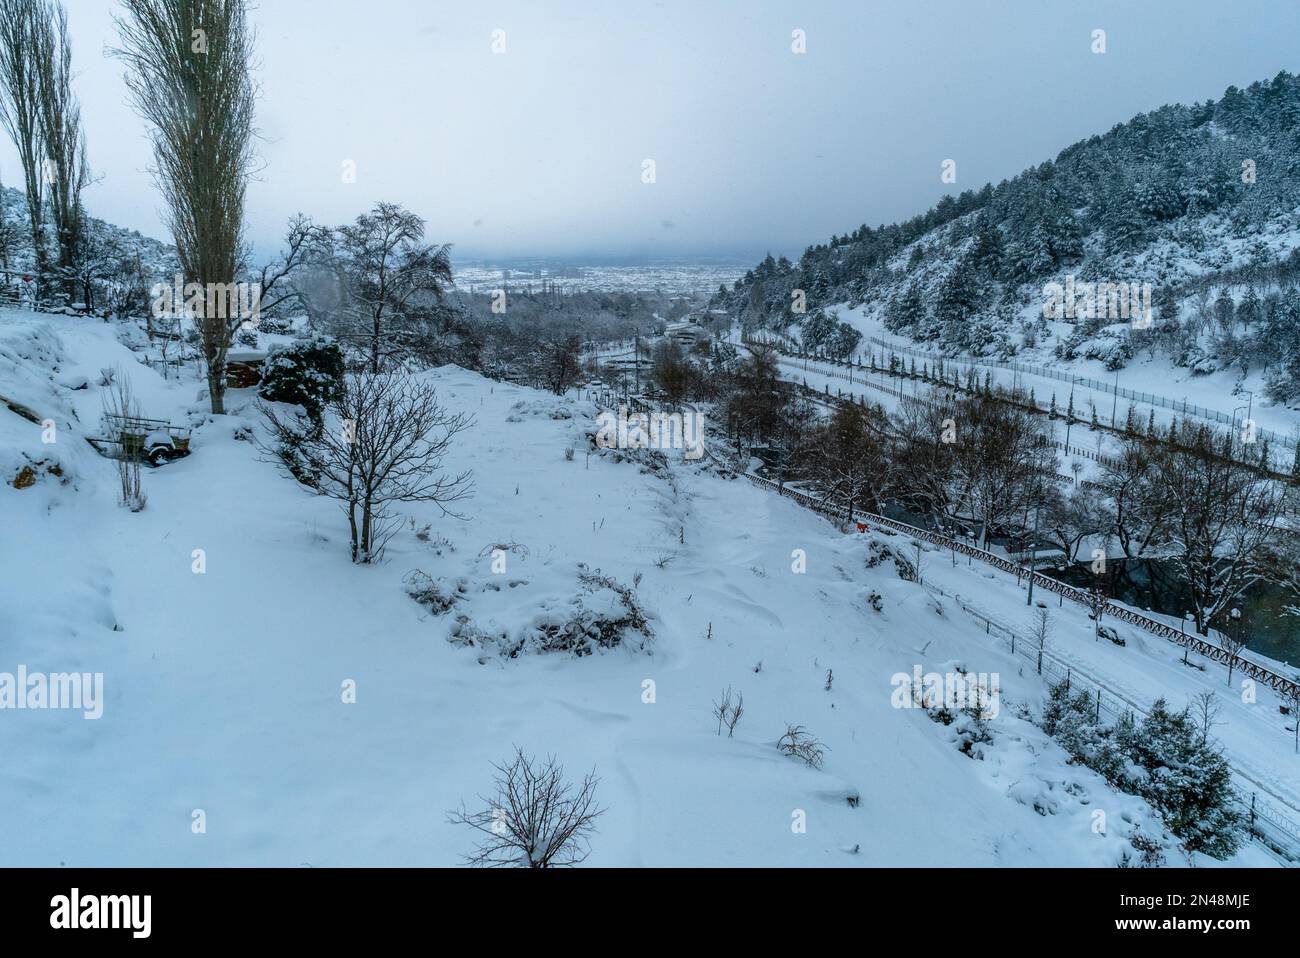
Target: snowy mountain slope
1195, 208
223, 689
158, 258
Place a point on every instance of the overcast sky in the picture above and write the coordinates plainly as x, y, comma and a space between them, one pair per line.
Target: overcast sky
539, 150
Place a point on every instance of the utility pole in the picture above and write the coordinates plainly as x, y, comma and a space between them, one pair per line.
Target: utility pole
636, 343
1115, 404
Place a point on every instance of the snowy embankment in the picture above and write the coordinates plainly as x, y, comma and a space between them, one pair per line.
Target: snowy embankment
225, 690
1219, 391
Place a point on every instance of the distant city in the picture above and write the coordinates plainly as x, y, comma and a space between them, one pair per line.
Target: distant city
698, 277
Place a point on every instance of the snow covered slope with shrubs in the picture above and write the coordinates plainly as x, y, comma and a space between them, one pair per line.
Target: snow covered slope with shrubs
230, 625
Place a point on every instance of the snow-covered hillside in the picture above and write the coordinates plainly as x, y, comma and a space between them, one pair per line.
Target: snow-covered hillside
230, 625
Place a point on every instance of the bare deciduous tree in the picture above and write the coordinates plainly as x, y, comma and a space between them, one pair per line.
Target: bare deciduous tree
188, 71
20, 98
385, 444
276, 279
1205, 711
59, 115
384, 265
850, 459
1223, 515
120, 407
561, 363
535, 819
1041, 627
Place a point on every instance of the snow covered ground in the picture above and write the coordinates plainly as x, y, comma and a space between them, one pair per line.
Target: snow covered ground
224, 690
1157, 377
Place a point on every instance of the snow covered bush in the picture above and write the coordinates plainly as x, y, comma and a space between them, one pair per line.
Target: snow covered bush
605, 614
878, 552
307, 373
1187, 780
1165, 759
534, 819
1150, 852
435, 595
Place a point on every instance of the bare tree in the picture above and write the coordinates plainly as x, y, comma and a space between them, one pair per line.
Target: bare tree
1205, 711
535, 819
1097, 602
188, 71
1041, 627
386, 444
1001, 459
120, 410
1223, 516
1139, 510
9, 231
850, 459
384, 265
275, 281
59, 115
924, 461
561, 364
20, 97
1070, 517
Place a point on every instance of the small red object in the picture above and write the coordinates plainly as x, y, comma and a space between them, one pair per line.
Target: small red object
862, 527
27, 279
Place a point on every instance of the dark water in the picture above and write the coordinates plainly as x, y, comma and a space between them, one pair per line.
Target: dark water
1156, 586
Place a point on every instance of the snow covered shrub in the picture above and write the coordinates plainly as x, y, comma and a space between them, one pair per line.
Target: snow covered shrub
972, 725
534, 819
878, 552
307, 373
1150, 852
1165, 760
1072, 720
798, 743
603, 614
603, 619
435, 595
1188, 781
